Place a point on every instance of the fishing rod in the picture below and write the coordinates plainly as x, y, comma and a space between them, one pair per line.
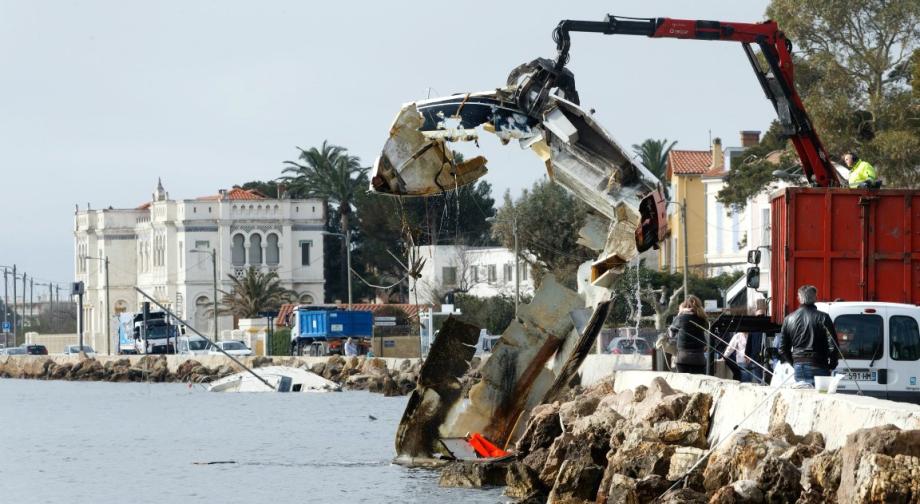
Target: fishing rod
714, 349
726, 343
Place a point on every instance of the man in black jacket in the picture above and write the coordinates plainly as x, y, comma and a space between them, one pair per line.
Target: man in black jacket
809, 340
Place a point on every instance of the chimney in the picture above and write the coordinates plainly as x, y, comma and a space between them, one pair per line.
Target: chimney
222, 194
718, 158
749, 138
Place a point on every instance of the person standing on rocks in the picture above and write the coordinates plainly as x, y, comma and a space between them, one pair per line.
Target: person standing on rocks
690, 326
809, 340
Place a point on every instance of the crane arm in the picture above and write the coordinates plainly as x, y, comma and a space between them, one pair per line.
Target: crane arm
776, 79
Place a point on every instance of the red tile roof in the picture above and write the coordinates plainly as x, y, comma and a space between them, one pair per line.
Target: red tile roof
688, 162
286, 310
237, 193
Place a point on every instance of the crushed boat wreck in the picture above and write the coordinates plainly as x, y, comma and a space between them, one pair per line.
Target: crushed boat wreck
280, 379
542, 348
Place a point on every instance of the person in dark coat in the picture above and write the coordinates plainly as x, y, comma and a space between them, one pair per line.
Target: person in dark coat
809, 339
689, 328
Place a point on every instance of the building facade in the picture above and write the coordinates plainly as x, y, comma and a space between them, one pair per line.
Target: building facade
477, 271
164, 248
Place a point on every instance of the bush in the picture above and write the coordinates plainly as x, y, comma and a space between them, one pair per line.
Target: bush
281, 342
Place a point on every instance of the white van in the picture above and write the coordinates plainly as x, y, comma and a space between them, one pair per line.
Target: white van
880, 343
193, 345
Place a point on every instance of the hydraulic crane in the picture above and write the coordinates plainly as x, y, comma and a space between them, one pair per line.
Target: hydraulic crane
776, 79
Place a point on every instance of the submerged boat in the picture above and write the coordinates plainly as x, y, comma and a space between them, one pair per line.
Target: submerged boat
281, 379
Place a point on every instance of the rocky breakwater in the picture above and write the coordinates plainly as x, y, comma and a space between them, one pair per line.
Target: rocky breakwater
370, 374
353, 373
149, 368
634, 446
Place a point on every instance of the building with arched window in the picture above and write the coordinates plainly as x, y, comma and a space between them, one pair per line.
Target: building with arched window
163, 247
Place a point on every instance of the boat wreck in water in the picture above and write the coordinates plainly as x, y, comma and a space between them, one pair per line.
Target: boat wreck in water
540, 351
280, 379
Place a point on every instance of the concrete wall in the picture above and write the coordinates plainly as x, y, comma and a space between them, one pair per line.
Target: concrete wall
406, 346
752, 406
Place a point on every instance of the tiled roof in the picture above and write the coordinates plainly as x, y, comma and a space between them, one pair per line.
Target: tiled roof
286, 310
689, 162
237, 193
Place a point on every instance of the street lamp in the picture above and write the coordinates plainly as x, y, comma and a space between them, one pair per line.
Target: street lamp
347, 237
108, 309
683, 222
213, 254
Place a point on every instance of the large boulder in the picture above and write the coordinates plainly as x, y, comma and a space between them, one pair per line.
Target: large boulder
473, 474
374, 366
885, 440
740, 457
523, 483
542, 428
679, 432
581, 407
882, 478
577, 482
620, 490
821, 477
683, 496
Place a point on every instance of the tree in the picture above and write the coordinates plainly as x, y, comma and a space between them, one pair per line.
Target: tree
253, 293
492, 313
268, 188
754, 173
853, 72
329, 173
548, 221
654, 155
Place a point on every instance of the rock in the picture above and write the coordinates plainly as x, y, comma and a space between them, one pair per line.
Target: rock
334, 367
739, 457
390, 388
318, 368
814, 438
683, 496
778, 479
649, 488
698, 411
580, 407
882, 478
783, 431
542, 428
405, 365
682, 460
374, 366
600, 389
469, 474
185, 369
821, 477
641, 459
359, 382
555, 457
61, 372
747, 491
620, 490
681, 433
887, 440
576, 483
522, 483
724, 495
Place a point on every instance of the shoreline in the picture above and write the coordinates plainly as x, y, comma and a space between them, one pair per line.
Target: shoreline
391, 377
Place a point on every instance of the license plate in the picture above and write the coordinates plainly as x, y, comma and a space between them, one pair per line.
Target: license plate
862, 376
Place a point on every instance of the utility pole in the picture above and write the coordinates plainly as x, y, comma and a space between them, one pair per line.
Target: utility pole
6, 305
108, 311
58, 300
50, 306
517, 265
31, 302
347, 237
683, 222
22, 319
15, 325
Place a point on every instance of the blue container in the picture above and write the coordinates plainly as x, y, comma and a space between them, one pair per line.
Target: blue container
333, 324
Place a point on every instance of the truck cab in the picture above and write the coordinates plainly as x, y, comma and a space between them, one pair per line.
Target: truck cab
880, 343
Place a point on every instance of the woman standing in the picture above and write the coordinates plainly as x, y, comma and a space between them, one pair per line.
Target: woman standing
690, 326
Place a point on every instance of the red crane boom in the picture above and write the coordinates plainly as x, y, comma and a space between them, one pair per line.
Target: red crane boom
776, 79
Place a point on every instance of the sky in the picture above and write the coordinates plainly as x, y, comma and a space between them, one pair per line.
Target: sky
99, 99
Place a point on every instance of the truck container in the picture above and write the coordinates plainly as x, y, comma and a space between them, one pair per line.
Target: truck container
853, 245
332, 324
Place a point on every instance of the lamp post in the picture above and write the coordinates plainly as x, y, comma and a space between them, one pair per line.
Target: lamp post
108, 308
683, 223
347, 237
213, 254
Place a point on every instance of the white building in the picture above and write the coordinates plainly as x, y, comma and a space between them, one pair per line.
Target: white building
156, 248
478, 271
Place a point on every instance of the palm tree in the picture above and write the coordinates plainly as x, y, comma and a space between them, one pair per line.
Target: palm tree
654, 155
329, 173
255, 292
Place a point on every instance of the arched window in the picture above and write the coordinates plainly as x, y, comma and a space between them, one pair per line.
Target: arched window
255, 249
203, 314
238, 253
271, 250
306, 299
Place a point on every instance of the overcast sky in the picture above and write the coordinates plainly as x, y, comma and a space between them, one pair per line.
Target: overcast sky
98, 99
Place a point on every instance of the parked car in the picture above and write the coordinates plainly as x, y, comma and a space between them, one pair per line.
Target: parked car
13, 351
36, 349
75, 350
193, 345
233, 347
629, 346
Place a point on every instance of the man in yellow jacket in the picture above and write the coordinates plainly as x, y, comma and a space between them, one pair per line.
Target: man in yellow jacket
862, 174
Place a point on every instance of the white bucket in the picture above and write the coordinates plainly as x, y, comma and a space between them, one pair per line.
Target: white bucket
827, 384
